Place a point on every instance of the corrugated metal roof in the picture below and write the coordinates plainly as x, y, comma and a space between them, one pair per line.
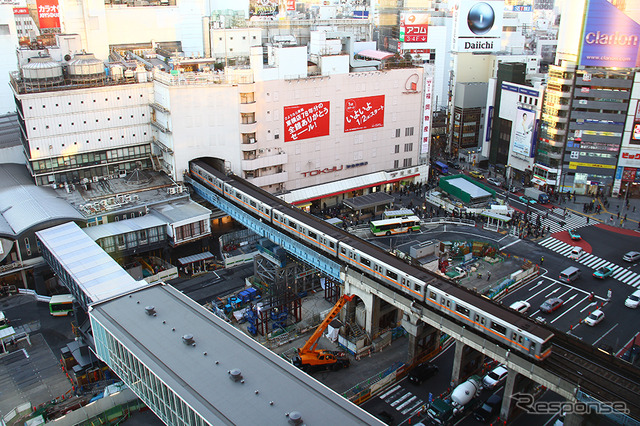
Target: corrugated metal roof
147, 221
24, 205
178, 212
94, 271
332, 187
200, 375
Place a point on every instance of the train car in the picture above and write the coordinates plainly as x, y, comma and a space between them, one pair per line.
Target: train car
459, 304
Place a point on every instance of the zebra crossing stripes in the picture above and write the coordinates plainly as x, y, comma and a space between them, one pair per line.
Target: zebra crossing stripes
402, 400
592, 261
572, 221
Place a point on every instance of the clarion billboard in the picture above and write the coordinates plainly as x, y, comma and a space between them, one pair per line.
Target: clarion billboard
610, 36
306, 121
478, 26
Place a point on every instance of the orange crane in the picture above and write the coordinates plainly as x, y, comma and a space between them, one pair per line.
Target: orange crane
310, 358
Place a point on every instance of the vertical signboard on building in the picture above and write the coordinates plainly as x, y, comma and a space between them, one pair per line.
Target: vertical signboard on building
523, 132
426, 114
306, 121
48, 16
478, 26
363, 113
414, 27
263, 7
610, 37
291, 4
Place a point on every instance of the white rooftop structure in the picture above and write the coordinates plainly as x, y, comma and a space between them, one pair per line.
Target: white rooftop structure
473, 190
84, 268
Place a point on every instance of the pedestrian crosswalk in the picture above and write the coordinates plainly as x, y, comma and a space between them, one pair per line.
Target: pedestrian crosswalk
571, 221
403, 400
593, 262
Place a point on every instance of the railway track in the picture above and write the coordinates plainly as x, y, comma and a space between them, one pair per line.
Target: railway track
598, 375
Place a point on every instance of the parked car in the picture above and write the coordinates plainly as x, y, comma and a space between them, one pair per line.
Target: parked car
551, 305
603, 272
526, 199
594, 317
453, 165
632, 256
495, 377
476, 174
494, 181
520, 306
574, 235
490, 409
576, 252
422, 372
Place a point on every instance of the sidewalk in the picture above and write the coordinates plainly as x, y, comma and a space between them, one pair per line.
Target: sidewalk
617, 209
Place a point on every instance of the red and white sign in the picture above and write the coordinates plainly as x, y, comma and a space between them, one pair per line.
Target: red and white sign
306, 121
48, 16
20, 11
629, 158
363, 113
426, 116
414, 27
291, 4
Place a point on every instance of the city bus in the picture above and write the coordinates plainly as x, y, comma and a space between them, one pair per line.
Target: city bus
398, 225
61, 305
4, 322
440, 167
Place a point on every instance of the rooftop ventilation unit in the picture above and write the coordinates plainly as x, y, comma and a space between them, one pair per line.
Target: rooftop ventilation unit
150, 310
187, 339
295, 418
235, 375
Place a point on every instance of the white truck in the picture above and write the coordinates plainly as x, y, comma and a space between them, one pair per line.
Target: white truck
536, 194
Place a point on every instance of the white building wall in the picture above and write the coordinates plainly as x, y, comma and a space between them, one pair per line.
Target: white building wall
102, 25
204, 121
371, 150
84, 120
234, 42
8, 44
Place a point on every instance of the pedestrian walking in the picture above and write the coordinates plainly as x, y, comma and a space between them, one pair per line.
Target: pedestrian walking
541, 260
609, 294
488, 275
621, 222
625, 217
587, 220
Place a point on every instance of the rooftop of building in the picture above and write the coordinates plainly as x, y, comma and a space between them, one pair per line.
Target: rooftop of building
9, 130
113, 194
23, 205
200, 372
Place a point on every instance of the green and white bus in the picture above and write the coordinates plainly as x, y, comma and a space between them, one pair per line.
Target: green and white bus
398, 225
4, 322
61, 305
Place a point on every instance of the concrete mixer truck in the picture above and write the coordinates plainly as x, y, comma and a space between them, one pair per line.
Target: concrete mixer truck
444, 411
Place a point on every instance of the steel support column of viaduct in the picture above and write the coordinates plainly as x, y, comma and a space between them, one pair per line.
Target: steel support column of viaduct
356, 282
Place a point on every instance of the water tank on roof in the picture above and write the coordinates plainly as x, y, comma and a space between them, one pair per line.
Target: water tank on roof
84, 68
42, 70
117, 72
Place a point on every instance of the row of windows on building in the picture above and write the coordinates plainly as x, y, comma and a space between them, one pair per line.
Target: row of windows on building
77, 174
44, 106
190, 231
133, 240
408, 147
92, 158
408, 131
85, 122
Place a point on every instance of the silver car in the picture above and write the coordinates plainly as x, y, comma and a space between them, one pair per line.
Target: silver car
632, 256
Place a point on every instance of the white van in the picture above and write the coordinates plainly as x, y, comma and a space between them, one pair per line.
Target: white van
576, 253
633, 300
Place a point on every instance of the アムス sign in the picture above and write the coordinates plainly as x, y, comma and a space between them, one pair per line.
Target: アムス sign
306, 121
363, 113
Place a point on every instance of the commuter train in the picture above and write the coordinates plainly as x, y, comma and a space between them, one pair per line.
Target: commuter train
498, 323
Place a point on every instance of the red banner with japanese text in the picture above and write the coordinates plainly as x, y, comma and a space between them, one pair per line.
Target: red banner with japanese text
306, 121
48, 16
363, 113
291, 4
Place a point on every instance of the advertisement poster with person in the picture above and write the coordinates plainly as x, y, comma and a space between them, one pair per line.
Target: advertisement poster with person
523, 132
